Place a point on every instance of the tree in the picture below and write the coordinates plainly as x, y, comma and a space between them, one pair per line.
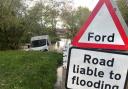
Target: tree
19, 23
41, 19
11, 27
123, 6
31, 23
74, 19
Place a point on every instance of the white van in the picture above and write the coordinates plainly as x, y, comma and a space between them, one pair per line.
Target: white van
40, 43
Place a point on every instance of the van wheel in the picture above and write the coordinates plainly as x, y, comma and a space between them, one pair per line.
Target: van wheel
45, 50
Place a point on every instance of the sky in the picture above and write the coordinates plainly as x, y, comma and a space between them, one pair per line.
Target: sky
90, 4
86, 3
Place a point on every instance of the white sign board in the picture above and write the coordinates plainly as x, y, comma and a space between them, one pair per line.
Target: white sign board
89, 69
103, 29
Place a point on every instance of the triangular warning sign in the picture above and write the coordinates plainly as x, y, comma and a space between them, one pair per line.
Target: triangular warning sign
103, 29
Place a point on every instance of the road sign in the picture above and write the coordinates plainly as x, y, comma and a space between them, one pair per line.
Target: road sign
103, 29
91, 69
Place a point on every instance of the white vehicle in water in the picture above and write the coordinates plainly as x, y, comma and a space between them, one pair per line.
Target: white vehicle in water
40, 43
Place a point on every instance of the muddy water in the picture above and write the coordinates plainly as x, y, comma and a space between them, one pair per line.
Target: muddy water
59, 78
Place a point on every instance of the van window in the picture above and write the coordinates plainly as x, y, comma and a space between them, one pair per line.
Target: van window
38, 43
47, 43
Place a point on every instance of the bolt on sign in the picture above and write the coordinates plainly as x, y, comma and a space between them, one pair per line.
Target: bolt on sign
89, 69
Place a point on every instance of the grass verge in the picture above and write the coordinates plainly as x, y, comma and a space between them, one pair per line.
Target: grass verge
28, 70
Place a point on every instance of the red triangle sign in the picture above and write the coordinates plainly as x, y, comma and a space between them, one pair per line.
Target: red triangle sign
103, 29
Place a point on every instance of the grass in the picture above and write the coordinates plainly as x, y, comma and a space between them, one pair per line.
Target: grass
28, 70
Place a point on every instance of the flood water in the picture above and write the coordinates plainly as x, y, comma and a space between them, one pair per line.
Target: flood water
59, 78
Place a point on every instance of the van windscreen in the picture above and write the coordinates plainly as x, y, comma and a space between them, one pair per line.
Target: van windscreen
38, 43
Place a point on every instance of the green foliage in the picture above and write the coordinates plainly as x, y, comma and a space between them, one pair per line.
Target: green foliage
41, 20
11, 28
10, 33
18, 24
123, 6
28, 70
74, 19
